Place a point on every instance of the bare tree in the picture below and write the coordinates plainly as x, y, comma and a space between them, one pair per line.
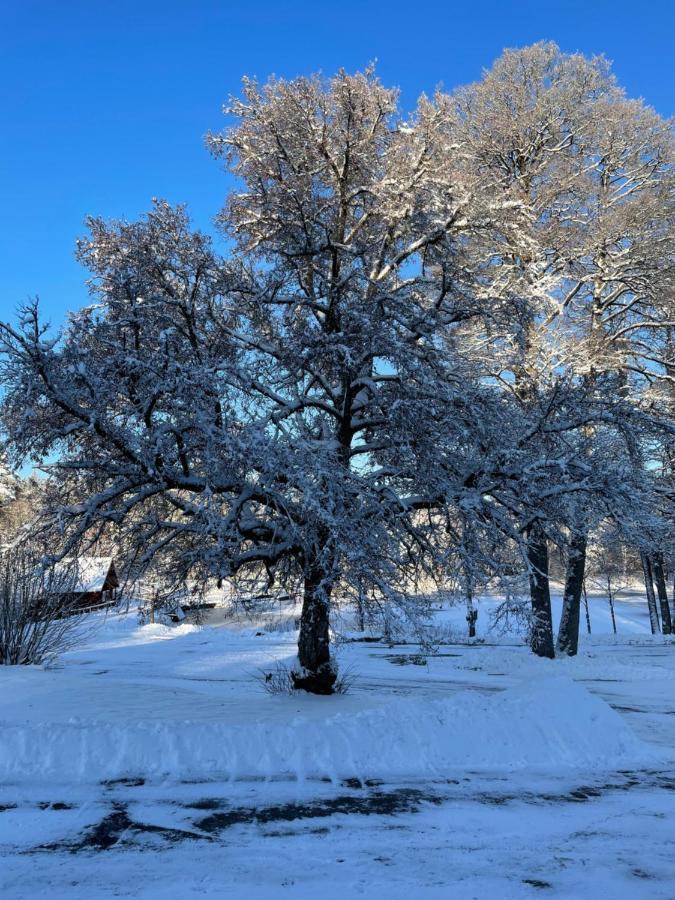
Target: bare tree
38, 600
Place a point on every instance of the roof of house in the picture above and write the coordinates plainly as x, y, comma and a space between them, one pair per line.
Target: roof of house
91, 572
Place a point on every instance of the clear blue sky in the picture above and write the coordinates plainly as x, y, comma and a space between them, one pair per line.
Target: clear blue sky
105, 104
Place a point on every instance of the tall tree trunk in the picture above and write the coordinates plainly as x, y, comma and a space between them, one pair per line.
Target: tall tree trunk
651, 597
568, 632
662, 592
588, 614
471, 611
610, 597
541, 638
471, 616
361, 607
316, 674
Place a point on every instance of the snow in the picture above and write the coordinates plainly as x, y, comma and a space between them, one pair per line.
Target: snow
151, 763
91, 571
397, 739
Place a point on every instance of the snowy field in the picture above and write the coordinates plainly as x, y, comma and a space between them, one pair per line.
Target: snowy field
152, 763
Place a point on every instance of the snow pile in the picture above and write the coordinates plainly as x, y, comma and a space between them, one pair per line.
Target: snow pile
549, 725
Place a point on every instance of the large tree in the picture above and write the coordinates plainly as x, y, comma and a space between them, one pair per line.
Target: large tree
277, 408
584, 283
367, 389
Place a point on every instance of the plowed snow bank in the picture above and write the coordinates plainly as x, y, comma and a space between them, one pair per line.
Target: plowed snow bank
549, 725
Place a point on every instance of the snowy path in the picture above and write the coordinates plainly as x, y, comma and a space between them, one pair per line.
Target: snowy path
564, 828
484, 837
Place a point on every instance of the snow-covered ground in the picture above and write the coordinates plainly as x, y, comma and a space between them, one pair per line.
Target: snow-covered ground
151, 763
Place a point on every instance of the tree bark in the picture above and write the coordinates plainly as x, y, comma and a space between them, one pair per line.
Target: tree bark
610, 597
662, 592
651, 597
471, 611
586, 610
316, 674
568, 632
361, 607
541, 638
471, 616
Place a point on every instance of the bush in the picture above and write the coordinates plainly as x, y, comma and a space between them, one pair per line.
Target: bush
37, 602
279, 680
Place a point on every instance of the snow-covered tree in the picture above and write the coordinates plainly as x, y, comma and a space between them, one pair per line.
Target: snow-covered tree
8, 484
585, 282
379, 382
20, 502
277, 409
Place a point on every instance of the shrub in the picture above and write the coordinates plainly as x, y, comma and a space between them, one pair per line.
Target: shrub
37, 602
279, 680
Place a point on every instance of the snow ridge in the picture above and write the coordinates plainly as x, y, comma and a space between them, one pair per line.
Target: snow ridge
551, 724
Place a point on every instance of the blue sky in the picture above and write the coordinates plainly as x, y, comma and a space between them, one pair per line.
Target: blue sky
106, 103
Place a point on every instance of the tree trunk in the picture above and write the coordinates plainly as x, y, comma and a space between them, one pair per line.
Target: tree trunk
316, 674
471, 611
587, 611
651, 597
471, 616
541, 638
662, 592
610, 597
568, 632
361, 608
